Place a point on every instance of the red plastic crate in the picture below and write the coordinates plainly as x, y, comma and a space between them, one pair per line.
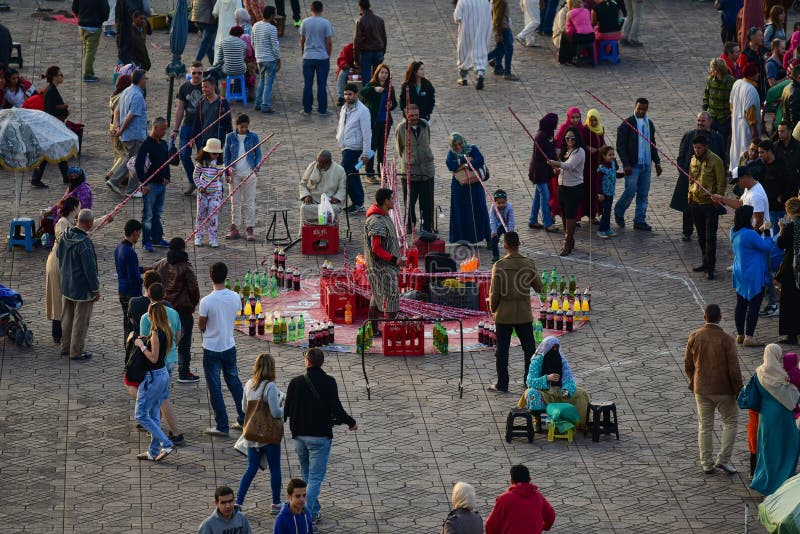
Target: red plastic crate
483, 294
424, 247
317, 239
336, 301
328, 280
403, 339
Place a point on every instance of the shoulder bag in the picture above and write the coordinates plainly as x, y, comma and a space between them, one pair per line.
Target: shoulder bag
259, 425
749, 397
135, 361
318, 397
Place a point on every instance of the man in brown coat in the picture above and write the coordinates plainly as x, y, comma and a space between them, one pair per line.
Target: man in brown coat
510, 302
712, 365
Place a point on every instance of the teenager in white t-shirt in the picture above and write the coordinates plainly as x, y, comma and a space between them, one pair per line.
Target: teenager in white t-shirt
217, 317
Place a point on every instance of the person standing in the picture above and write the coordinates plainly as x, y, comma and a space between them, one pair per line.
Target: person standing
243, 202
379, 97
788, 275
80, 285
354, 136
469, 218
129, 274
280, 5
209, 110
294, 517
119, 150
217, 316
55, 106
540, 173
753, 54
716, 101
133, 129
417, 166
569, 166
227, 518
316, 43
729, 9
708, 178
504, 38
183, 294
313, 408
711, 363
91, 14
189, 96
205, 21
383, 259
417, 89
630, 28
745, 113
225, 12
637, 156
530, 14
510, 303
68, 210
156, 151
474, 19
369, 40
268, 56
139, 54
521, 508
123, 22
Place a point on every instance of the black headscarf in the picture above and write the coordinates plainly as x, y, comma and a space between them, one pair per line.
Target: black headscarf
552, 364
743, 218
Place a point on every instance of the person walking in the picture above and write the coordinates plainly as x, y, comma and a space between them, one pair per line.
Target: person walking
510, 303
68, 211
354, 136
316, 43
500, 57
294, 517
189, 96
207, 23
379, 97
91, 14
474, 19
217, 317
132, 130
540, 173
711, 363
413, 144
521, 508
268, 57
637, 156
55, 106
708, 178
630, 28
313, 408
369, 40
155, 150
129, 274
243, 202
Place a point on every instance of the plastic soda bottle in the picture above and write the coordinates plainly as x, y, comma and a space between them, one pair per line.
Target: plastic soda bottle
276, 332
227, 283
301, 328
569, 321
564, 302
261, 324
576, 307
559, 320
348, 314
538, 332
360, 340
553, 278
572, 286
238, 320
284, 330
555, 306
248, 280
292, 330
585, 307
545, 281
562, 284
251, 325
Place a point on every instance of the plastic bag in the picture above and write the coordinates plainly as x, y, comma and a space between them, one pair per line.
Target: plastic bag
563, 415
325, 213
780, 512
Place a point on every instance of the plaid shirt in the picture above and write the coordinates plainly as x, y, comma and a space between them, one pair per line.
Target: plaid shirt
716, 98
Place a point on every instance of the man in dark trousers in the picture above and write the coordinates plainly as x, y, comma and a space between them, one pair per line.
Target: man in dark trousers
510, 302
129, 275
124, 11
91, 14
416, 162
313, 408
5, 45
156, 151
369, 41
708, 174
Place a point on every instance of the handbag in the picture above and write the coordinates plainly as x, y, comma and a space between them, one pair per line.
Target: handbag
259, 425
135, 361
749, 397
241, 448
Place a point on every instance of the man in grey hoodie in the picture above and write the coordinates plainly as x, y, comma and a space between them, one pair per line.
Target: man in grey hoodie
226, 519
80, 285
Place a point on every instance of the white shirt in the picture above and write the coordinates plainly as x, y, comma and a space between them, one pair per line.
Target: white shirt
242, 167
756, 197
220, 309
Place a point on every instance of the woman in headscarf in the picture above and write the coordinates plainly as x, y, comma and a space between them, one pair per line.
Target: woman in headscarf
463, 518
550, 379
469, 218
77, 187
593, 140
120, 152
778, 439
570, 185
750, 273
241, 17
540, 173
789, 54
573, 119
788, 275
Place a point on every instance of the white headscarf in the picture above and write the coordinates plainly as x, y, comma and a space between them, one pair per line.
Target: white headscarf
774, 379
463, 496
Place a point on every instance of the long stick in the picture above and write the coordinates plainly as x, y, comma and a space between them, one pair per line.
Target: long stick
486, 190
127, 199
528, 132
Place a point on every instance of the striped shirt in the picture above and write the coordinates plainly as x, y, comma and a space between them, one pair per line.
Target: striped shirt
230, 56
265, 42
716, 98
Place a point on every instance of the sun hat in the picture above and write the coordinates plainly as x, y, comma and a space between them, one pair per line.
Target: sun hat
213, 146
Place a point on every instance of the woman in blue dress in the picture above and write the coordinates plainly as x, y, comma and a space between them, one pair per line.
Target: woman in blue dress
778, 437
469, 217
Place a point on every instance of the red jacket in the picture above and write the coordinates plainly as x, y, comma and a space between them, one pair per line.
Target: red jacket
345, 58
520, 510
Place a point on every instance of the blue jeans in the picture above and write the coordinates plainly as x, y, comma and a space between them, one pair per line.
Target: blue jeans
318, 68
495, 241
503, 49
187, 132
354, 187
266, 77
548, 16
273, 453
368, 62
605, 216
153, 390
207, 44
541, 200
637, 184
341, 81
212, 363
313, 453
152, 207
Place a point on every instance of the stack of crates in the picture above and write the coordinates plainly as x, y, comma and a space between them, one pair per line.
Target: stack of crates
403, 339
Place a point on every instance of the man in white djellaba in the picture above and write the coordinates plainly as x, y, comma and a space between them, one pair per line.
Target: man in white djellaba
474, 19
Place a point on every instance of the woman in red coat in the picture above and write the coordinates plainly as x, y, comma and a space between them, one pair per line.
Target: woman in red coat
593, 141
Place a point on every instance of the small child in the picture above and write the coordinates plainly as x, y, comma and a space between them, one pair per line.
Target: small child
608, 173
501, 211
208, 179
790, 366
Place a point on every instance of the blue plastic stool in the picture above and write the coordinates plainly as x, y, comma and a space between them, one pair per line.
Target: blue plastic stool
15, 231
240, 95
608, 51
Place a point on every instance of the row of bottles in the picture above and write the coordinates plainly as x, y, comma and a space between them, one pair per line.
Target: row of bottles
268, 284
440, 338
321, 334
551, 283
487, 334
364, 337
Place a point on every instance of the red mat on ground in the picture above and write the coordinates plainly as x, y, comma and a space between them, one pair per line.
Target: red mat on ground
306, 303
65, 19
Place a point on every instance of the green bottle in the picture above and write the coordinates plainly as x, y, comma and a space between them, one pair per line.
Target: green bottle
248, 278
284, 330
227, 283
292, 330
301, 329
573, 285
276, 332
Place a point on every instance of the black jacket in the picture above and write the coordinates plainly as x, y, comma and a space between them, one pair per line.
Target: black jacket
628, 143
5, 45
312, 416
91, 13
680, 199
425, 99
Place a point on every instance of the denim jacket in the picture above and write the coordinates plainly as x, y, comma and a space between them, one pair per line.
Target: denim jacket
232, 148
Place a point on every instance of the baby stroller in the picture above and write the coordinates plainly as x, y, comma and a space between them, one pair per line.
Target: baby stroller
11, 322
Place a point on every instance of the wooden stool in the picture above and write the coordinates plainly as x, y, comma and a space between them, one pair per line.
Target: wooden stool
601, 418
525, 430
15, 233
272, 228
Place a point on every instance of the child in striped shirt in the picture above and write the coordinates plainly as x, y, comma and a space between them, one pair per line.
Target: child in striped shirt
208, 178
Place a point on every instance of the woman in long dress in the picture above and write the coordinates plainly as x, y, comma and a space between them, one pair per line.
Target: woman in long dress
469, 218
69, 209
593, 140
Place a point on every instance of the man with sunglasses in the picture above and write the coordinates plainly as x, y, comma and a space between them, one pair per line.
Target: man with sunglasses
189, 96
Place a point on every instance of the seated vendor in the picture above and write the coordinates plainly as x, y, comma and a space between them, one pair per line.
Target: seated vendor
323, 176
550, 380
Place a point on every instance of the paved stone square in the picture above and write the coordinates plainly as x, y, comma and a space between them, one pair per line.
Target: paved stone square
67, 434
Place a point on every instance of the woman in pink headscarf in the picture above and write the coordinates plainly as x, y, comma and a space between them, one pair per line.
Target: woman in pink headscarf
573, 119
790, 50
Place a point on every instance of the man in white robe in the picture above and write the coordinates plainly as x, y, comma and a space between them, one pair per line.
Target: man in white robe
530, 11
745, 113
322, 176
474, 19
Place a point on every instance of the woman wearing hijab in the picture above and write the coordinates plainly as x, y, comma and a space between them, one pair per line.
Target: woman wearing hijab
463, 518
750, 273
469, 218
573, 120
78, 188
570, 185
778, 439
593, 140
540, 173
789, 55
550, 379
788, 275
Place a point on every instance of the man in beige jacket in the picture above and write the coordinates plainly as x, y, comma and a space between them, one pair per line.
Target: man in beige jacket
510, 303
712, 366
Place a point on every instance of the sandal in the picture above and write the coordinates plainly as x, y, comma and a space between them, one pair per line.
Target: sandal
145, 456
166, 451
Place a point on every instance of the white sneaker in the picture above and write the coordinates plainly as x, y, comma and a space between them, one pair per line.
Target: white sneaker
214, 244
137, 194
198, 241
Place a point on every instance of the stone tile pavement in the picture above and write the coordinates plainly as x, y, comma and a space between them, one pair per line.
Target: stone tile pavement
68, 438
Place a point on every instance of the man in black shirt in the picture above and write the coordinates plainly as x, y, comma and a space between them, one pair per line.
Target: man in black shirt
189, 96
154, 149
778, 181
211, 108
787, 148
